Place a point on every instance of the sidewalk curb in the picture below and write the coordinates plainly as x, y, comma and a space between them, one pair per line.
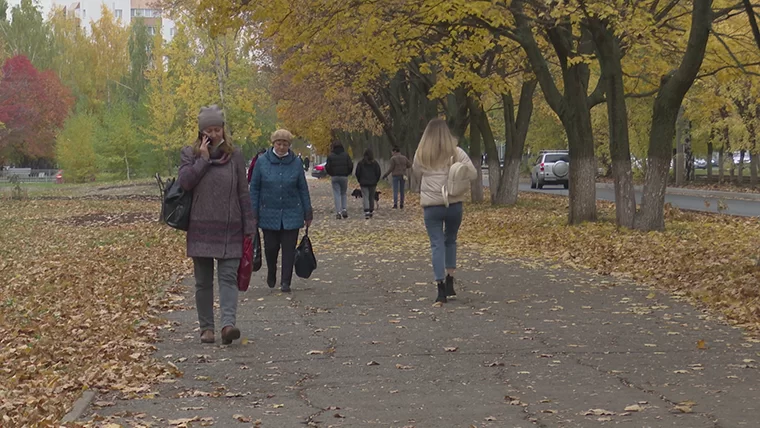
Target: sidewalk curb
79, 406
716, 194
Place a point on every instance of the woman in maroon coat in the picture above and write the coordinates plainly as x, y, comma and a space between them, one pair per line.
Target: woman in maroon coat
214, 170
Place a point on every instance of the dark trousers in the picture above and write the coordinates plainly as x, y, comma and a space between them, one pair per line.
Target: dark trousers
368, 198
398, 190
273, 241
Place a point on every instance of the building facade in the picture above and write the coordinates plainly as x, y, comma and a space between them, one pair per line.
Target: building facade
89, 11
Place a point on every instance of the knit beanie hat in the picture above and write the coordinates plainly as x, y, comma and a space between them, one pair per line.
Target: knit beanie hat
210, 116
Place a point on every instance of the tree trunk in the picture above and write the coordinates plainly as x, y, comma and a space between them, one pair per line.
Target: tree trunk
753, 168
679, 161
456, 112
126, 161
721, 165
752, 21
710, 159
740, 175
516, 130
480, 119
476, 152
610, 60
672, 90
582, 171
219, 74
572, 107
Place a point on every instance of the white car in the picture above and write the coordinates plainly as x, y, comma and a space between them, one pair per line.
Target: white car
551, 167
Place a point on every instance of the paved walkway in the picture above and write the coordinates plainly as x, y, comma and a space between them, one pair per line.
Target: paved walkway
522, 345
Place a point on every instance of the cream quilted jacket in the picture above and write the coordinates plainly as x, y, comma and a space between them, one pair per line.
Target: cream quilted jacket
434, 180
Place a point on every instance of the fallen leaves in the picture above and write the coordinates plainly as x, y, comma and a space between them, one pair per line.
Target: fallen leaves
80, 278
241, 418
598, 412
715, 268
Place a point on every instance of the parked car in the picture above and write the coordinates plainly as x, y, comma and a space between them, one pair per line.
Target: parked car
318, 171
700, 163
551, 167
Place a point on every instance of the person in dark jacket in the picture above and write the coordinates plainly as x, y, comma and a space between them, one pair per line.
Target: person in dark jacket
368, 174
306, 162
281, 205
397, 169
253, 162
339, 166
214, 170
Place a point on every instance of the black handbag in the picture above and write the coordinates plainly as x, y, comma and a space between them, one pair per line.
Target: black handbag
257, 251
305, 262
175, 208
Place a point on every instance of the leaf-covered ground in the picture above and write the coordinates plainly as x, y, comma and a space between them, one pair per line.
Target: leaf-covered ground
81, 284
83, 281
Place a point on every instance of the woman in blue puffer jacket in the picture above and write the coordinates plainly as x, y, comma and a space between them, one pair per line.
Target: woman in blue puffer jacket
281, 205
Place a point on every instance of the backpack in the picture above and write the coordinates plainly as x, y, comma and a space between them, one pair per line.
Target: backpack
457, 181
175, 207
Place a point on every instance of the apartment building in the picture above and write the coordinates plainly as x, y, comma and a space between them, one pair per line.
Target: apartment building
88, 11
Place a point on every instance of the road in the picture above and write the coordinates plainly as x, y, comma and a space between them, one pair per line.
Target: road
738, 204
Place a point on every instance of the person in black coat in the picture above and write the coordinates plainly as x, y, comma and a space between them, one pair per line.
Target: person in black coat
368, 174
339, 166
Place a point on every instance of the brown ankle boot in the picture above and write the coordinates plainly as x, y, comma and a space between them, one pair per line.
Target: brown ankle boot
230, 333
207, 336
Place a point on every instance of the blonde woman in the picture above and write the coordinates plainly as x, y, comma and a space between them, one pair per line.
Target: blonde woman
436, 152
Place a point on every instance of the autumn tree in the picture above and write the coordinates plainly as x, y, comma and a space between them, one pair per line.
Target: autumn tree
33, 108
26, 33
75, 148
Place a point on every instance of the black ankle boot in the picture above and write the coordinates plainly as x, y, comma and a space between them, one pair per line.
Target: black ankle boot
450, 286
271, 278
441, 292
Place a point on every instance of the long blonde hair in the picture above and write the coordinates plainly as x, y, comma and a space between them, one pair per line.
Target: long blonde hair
437, 146
226, 145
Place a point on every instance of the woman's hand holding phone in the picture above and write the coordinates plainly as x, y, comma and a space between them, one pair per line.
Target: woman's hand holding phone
205, 141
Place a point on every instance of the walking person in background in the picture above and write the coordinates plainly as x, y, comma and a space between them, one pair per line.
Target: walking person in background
214, 170
368, 174
435, 155
253, 162
281, 205
306, 162
397, 170
339, 166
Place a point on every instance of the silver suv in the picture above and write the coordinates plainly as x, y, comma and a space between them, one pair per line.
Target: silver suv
551, 167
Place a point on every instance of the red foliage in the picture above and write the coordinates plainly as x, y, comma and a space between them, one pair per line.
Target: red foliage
33, 108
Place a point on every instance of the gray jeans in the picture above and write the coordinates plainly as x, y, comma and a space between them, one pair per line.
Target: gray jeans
340, 187
204, 290
368, 198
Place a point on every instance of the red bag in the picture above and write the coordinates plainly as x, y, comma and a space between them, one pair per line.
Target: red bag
246, 264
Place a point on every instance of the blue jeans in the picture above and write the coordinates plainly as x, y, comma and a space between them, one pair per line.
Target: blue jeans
398, 189
442, 226
340, 187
